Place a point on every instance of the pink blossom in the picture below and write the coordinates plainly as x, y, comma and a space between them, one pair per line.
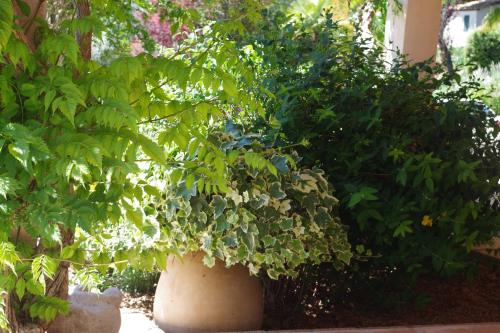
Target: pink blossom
158, 28
185, 3
136, 46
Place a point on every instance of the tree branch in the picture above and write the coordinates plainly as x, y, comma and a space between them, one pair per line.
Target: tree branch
85, 39
27, 34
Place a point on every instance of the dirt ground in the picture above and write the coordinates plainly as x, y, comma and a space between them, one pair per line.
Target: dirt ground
453, 301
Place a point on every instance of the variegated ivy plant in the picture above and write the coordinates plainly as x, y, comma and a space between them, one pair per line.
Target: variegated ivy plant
273, 216
75, 135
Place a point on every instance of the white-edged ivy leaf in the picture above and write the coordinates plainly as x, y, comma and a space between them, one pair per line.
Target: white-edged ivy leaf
280, 162
276, 192
209, 261
286, 224
219, 204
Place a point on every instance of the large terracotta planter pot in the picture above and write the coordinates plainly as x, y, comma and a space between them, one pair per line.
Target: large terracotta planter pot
191, 297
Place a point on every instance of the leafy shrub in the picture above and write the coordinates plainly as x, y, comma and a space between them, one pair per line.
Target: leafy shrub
484, 48
415, 163
132, 280
273, 215
490, 80
458, 56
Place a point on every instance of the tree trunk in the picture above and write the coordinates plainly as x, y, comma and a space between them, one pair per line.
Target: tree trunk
27, 35
446, 14
58, 286
38, 8
10, 313
84, 40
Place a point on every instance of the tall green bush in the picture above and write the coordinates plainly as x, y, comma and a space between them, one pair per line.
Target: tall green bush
415, 163
483, 48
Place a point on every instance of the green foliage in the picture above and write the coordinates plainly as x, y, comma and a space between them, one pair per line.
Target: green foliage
76, 138
132, 281
458, 56
414, 158
6, 19
483, 48
273, 215
47, 308
349, 13
43, 267
490, 79
492, 20
490, 82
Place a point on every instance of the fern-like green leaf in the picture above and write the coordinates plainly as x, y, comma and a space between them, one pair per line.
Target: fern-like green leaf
8, 256
8, 186
112, 114
6, 20
43, 267
47, 308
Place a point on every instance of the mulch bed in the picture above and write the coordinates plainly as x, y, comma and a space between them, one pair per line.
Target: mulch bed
452, 301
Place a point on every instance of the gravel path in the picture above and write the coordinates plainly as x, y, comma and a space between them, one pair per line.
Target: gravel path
135, 321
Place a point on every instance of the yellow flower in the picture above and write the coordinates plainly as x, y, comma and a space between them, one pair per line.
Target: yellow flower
427, 221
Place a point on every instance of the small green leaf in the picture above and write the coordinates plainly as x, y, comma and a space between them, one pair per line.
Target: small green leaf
6, 20
280, 162
229, 86
21, 152
161, 259
8, 186
35, 288
67, 252
276, 192
360, 248
286, 224
190, 180
43, 267
344, 256
67, 108
268, 240
403, 229
273, 274
136, 216
209, 261
219, 164
49, 97
365, 193
25, 9
20, 288
218, 204
249, 240
152, 149
222, 224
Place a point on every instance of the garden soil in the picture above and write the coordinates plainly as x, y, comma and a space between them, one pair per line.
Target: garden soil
452, 301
